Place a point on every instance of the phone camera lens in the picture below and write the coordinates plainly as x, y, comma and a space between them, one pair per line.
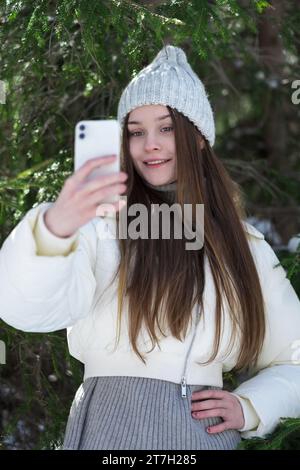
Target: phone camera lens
82, 127
81, 136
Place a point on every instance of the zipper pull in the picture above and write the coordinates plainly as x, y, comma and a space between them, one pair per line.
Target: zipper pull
183, 387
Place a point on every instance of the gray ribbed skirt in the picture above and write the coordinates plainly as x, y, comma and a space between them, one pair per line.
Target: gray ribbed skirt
119, 413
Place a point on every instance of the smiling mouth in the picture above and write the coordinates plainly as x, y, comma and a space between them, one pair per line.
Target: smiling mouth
156, 164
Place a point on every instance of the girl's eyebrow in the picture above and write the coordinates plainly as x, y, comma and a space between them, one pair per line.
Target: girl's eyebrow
157, 119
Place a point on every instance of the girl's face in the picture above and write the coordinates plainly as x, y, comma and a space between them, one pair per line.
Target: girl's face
151, 138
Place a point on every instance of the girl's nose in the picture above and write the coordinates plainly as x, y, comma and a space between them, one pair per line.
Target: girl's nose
151, 144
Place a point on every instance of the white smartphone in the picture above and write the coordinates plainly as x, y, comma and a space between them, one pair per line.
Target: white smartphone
96, 139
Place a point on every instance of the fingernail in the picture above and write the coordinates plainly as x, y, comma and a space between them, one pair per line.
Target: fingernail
208, 430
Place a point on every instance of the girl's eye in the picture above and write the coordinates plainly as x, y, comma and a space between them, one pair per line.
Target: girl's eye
134, 134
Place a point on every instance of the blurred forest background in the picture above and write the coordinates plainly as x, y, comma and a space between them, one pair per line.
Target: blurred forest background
66, 60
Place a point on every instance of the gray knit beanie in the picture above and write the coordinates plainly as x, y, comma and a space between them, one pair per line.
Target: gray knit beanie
170, 81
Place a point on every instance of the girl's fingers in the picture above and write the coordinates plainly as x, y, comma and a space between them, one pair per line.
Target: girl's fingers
219, 412
206, 394
98, 196
120, 204
205, 405
89, 166
105, 208
217, 428
102, 181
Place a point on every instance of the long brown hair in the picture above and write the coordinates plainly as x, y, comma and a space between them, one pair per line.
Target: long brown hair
163, 281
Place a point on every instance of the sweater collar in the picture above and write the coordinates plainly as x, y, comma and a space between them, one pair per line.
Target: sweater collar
168, 189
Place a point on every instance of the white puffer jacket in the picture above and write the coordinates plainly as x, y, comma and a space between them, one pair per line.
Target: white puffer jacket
48, 283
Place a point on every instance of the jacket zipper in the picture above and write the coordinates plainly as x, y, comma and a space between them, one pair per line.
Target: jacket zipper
183, 378
183, 387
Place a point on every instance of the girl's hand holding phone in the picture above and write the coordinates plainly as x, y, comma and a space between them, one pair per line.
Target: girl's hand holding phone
79, 200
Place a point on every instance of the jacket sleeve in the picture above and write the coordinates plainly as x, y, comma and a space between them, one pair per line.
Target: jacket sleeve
47, 282
274, 392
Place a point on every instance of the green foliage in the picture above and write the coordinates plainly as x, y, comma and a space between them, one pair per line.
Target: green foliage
285, 437
67, 60
39, 391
